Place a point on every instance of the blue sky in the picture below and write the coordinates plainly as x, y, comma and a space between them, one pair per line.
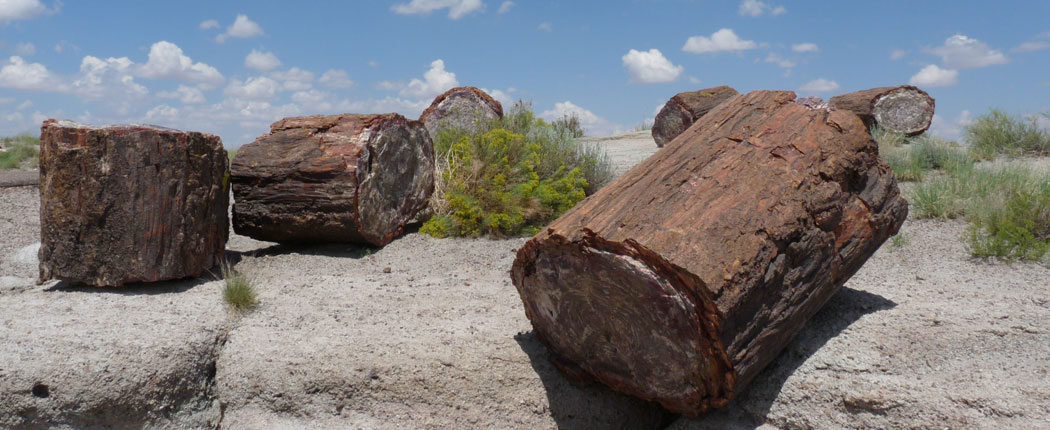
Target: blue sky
233, 67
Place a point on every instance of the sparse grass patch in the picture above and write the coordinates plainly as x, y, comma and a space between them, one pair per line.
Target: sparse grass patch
239, 291
900, 239
1000, 133
911, 163
1008, 209
20, 152
513, 176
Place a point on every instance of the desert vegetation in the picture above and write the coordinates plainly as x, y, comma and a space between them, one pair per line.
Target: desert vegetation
239, 289
1006, 202
21, 151
512, 176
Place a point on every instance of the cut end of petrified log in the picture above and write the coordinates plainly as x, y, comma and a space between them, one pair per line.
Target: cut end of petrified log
627, 318
902, 109
682, 110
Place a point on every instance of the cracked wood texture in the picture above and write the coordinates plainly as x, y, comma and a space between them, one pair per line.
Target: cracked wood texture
460, 108
336, 178
130, 203
902, 109
682, 110
685, 277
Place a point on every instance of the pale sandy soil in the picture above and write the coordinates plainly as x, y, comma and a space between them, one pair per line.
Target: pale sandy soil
922, 337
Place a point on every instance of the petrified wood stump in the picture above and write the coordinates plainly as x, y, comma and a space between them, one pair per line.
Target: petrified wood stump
903, 109
335, 178
686, 276
130, 203
682, 110
460, 108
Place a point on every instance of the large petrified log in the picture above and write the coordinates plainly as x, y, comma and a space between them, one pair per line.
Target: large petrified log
130, 203
685, 277
682, 110
902, 109
336, 178
460, 108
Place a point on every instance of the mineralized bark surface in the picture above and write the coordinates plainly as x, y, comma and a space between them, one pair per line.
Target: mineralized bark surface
130, 203
460, 108
682, 110
686, 276
336, 178
902, 109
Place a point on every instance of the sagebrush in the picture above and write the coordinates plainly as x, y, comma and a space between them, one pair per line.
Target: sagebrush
511, 177
20, 152
997, 133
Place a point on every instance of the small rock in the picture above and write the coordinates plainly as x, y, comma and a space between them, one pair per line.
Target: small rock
386, 270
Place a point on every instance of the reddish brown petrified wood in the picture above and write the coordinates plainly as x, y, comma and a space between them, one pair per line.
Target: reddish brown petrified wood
335, 178
460, 108
686, 276
902, 109
682, 110
130, 203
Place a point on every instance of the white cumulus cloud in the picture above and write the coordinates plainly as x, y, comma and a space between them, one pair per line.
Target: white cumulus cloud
591, 123
435, 81
295, 79
456, 8
211, 23
166, 61
185, 94
721, 40
756, 8
545, 26
336, 79
242, 27
258, 88
933, 76
16, 73
1040, 42
898, 54
820, 85
961, 52
805, 47
14, 10
260, 60
650, 66
505, 7
110, 80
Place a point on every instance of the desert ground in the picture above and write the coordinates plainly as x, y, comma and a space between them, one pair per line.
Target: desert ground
429, 333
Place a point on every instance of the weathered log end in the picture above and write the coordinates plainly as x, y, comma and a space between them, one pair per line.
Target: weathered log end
460, 108
626, 317
903, 109
682, 110
337, 178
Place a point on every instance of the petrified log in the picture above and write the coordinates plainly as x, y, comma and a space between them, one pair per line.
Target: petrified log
686, 108
902, 109
130, 203
337, 178
690, 273
460, 108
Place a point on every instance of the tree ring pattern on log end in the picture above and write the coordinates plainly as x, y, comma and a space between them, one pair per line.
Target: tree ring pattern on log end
617, 315
396, 183
904, 110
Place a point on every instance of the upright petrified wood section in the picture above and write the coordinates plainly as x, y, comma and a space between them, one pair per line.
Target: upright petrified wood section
336, 178
685, 277
686, 108
461, 108
903, 109
130, 203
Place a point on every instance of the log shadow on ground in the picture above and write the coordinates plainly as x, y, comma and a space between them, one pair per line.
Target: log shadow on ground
749, 408
575, 406
138, 288
340, 250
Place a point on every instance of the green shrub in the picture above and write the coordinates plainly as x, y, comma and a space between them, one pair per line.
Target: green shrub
21, 152
924, 154
1000, 133
511, 177
239, 291
900, 240
887, 138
